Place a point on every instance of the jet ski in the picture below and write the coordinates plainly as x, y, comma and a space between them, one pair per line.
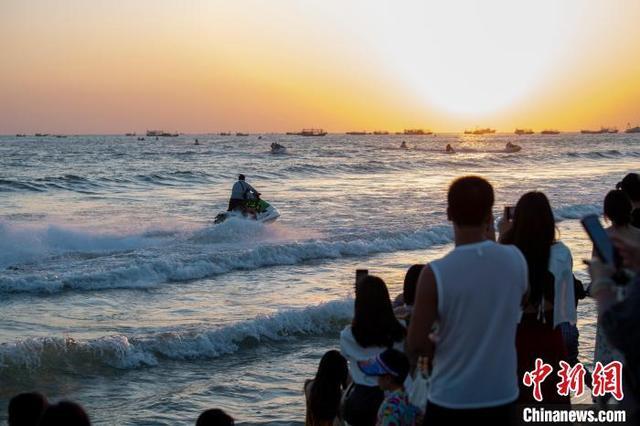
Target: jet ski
276, 148
264, 212
512, 147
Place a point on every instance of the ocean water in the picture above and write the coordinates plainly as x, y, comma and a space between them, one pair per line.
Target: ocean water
119, 292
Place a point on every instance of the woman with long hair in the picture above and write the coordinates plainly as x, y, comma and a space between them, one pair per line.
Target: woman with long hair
324, 392
373, 329
550, 301
618, 210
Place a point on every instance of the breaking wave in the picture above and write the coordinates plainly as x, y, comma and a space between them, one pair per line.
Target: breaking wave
125, 352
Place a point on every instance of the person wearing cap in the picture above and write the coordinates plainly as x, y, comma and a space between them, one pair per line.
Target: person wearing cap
391, 367
240, 194
630, 185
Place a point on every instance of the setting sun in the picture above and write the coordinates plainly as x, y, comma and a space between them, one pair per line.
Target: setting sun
473, 57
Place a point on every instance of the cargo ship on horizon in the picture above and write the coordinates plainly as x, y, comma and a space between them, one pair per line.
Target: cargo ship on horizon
157, 133
602, 130
632, 129
416, 132
482, 131
309, 132
523, 132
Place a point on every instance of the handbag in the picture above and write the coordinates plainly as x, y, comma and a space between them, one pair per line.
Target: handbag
419, 390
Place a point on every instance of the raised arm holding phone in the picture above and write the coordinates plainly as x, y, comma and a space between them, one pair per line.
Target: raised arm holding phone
620, 320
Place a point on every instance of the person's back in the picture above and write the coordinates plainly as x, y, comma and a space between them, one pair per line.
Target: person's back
26, 409
323, 393
473, 295
631, 186
65, 413
240, 193
214, 417
373, 329
242, 190
480, 287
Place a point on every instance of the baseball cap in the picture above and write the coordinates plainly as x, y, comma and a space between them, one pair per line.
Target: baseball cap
391, 361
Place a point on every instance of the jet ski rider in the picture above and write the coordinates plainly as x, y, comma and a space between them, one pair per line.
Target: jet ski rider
240, 194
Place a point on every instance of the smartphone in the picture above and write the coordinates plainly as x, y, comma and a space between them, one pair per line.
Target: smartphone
601, 242
509, 212
361, 273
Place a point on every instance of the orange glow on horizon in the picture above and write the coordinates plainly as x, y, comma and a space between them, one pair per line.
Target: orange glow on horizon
71, 66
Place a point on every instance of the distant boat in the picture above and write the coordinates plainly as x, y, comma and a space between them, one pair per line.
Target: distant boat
242, 134
420, 132
20, 135
309, 132
633, 129
225, 133
550, 132
130, 134
477, 131
157, 133
380, 132
41, 135
523, 132
60, 136
357, 133
599, 132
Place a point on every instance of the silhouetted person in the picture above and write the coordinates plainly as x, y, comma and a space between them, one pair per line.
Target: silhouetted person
324, 392
26, 409
474, 293
374, 329
631, 186
404, 304
214, 417
65, 413
240, 193
547, 326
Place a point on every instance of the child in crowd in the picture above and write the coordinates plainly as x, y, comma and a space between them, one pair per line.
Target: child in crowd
391, 367
324, 392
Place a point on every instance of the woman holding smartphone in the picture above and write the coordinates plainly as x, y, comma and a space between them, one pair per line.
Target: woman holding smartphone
551, 303
374, 328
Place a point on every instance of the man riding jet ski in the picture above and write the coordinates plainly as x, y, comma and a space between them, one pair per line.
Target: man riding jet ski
240, 194
245, 201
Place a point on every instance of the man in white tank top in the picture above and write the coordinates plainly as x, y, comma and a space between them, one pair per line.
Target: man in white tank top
474, 295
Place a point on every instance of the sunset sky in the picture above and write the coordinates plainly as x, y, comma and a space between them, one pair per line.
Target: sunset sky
89, 66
